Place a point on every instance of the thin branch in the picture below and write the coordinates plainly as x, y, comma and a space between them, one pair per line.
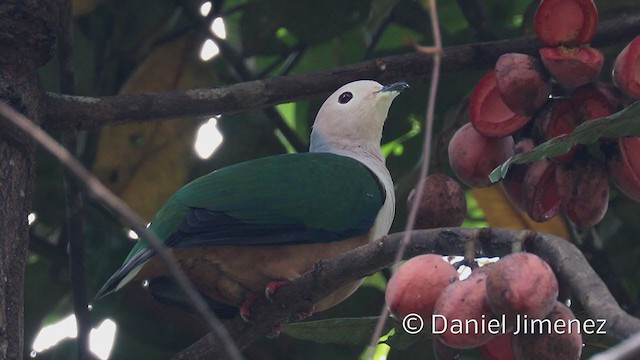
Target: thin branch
426, 152
67, 112
101, 193
567, 261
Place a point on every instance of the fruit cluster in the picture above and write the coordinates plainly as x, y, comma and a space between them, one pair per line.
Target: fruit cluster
527, 100
502, 293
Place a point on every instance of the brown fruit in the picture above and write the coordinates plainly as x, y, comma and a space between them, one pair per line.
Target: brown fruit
489, 114
523, 83
461, 307
566, 22
543, 341
584, 190
443, 203
499, 348
521, 284
541, 191
513, 183
473, 156
417, 284
625, 167
573, 67
626, 70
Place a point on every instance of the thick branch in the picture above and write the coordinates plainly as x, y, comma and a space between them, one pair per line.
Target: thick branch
65, 112
566, 260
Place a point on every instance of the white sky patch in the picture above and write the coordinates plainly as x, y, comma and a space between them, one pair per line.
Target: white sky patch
218, 28
208, 139
31, 218
205, 8
101, 339
209, 50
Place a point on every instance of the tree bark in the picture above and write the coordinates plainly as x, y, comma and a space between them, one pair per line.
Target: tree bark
27, 41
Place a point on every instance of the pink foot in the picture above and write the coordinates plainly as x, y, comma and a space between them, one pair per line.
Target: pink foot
272, 287
245, 308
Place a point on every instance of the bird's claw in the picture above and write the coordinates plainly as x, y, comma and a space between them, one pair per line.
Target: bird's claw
245, 308
275, 332
272, 287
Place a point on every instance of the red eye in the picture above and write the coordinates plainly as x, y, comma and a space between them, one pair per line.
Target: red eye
345, 97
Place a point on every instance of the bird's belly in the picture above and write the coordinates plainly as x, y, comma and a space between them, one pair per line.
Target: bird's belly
228, 273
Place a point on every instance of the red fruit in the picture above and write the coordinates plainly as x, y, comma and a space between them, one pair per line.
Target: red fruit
473, 156
443, 203
567, 23
550, 339
596, 100
625, 167
584, 190
499, 348
513, 184
521, 284
463, 303
444, 352
417, 284
541, 191
573, 67
558, 118
626, 70
489, 114
523, 84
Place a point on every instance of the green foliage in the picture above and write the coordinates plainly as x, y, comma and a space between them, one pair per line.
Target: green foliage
623, 123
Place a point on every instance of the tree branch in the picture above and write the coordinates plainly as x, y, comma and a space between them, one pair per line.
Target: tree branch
66, 112
567, 261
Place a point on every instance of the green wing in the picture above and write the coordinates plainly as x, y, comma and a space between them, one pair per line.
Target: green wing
283, 199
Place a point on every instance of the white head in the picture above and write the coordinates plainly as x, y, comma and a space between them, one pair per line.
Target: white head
352, 117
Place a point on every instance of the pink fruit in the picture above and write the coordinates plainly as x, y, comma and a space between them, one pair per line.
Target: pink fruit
523, 83
584, 190
521, 284
489, 114
499, 348
573, 67
551, 340
417, 284
463, 302
513, 184
625, 167
541, 191
626, 70
473, 156
567, 23
596, 100
557, 118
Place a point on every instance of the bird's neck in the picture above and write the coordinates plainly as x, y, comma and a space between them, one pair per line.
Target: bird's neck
346, 147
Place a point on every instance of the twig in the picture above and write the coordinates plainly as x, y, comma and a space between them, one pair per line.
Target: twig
73, 197
67, 112
567, 261
426, 154
99, 192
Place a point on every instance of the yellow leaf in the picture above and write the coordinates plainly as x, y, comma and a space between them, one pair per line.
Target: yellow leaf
144, 163
501, 213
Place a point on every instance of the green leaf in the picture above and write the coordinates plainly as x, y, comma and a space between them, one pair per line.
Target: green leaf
623, 123
342, 331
